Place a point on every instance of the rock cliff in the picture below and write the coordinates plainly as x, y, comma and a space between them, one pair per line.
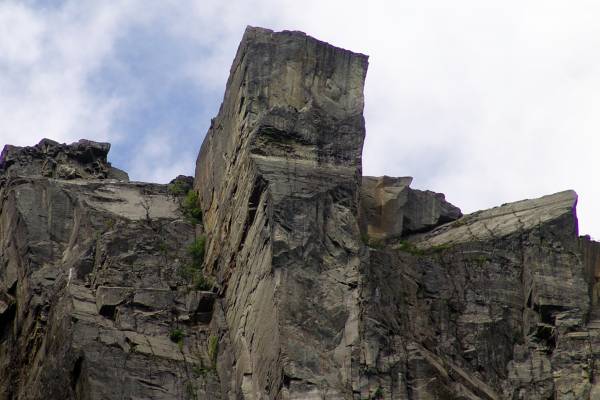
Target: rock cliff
279, 271
278, 176
93, 301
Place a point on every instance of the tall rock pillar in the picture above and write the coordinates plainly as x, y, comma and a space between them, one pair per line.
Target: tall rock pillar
278, 180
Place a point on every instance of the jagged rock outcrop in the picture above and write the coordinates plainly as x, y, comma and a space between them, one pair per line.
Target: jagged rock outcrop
84, 159
390, 208
495, 305
90, 284
316, 282
278, 177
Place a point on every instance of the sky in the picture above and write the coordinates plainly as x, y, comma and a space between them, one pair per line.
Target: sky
485, 101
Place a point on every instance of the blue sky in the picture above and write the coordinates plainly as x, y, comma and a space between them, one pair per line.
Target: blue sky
487, 102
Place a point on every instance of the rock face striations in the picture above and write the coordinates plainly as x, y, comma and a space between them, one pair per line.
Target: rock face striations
93, 304
495, 305
302, 279
278, 176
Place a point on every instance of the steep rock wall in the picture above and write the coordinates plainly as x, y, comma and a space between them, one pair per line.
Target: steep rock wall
492, 306
278, 177
90, 289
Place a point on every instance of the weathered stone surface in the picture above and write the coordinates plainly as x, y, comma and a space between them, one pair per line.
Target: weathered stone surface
153, 298
494, 305
390, 208
504, 220
591, 255
83, 159
278, 177
503, 295
108, 298
89, 278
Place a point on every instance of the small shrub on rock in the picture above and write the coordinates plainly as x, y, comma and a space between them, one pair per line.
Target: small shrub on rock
176, 335
190, 207
213, 349
201, 282
196, 251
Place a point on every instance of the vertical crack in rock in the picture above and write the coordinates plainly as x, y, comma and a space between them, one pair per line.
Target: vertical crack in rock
281, 165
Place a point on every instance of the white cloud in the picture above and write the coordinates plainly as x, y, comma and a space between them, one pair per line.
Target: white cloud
156, 159
487, 102
20, 34
46, 58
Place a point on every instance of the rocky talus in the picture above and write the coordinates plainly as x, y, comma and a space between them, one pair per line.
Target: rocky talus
279, 271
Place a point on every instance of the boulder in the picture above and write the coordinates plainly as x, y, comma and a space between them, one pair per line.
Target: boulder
389, 208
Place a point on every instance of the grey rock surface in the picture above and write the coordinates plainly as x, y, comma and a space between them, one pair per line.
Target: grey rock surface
83, 159
278, 176
493, 305
389, 208
90, 286
499, 304
501, 221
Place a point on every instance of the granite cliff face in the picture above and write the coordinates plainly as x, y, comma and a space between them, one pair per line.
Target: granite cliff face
91, 289
278, 176
302, 280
